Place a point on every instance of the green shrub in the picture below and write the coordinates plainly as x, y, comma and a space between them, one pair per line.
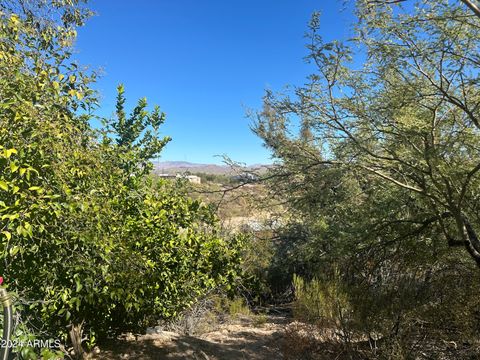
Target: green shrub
325, 303
86, 238
238, 306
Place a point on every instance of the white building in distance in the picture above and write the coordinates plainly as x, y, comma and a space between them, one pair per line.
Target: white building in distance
194, 179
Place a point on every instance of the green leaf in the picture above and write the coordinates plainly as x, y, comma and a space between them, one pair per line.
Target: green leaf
9, 152
13, 167
35, 188
78, 284
3, 185
10, 216
14, 250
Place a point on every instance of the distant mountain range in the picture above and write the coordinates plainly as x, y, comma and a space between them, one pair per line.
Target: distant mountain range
174, 167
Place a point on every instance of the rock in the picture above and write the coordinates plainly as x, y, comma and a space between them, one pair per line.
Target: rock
154, 330
130, 337
96, 350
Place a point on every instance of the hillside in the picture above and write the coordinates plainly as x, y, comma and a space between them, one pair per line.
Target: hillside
174, 167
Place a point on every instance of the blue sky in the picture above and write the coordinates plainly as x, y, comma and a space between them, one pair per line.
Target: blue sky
204, 62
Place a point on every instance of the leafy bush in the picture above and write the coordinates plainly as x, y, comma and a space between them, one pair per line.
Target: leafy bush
88, 242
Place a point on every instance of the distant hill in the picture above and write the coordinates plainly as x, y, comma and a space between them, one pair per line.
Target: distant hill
174, 167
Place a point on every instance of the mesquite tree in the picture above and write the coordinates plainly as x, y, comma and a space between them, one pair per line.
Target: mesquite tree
399, 102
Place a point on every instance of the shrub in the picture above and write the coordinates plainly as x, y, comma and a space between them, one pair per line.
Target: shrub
323, 303
86, 238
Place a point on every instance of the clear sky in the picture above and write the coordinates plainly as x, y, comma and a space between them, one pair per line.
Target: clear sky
204, 62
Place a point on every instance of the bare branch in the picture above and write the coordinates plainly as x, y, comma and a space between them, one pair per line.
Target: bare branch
474, 7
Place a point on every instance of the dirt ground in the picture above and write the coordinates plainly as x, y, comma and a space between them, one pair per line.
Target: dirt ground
243, 340
275, 337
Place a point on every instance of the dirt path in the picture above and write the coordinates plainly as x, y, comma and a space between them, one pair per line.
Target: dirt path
243, 340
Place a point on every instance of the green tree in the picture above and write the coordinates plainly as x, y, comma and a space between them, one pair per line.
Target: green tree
136, 136
88, 242
377, 160
409, 116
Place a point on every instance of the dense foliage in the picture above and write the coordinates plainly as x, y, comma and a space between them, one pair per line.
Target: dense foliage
378, 162
87, 240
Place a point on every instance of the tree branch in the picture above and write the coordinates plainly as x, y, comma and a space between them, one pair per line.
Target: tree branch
474, 7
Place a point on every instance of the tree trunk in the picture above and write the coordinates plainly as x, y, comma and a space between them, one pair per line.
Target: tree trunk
76, 337
472, 243
468, 236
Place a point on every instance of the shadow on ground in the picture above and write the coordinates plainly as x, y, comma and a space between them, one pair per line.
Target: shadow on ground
234, 341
